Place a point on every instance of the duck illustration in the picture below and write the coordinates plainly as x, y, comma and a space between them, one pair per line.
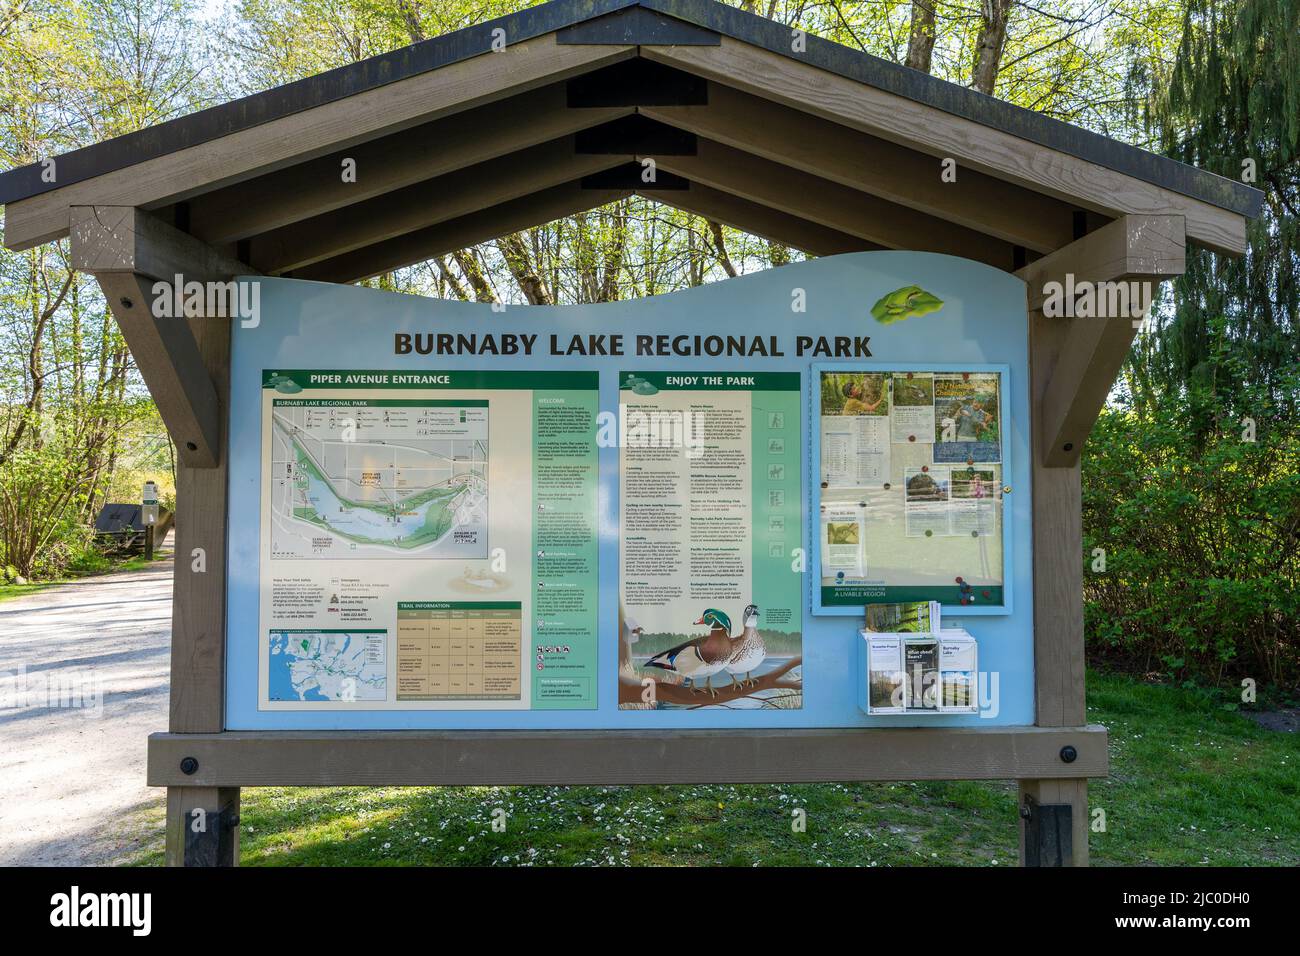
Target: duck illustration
703, 656
748, 650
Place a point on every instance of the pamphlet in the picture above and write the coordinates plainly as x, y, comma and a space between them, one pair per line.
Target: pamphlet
885, 676
843, 535
916, 617
921, 664
958, 672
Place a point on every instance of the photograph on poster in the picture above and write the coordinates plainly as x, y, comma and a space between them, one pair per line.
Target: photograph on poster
966, 414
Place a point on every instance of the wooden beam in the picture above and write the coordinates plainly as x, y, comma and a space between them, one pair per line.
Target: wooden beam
1125, 257
759, 220
904, 176
832, 205
311, 133
170, 364
128, 251
938, 133
482, 226
456, 194
615, 757
123, 239
392, 162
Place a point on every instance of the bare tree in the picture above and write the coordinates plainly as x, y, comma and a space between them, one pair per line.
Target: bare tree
920, 41
988, 48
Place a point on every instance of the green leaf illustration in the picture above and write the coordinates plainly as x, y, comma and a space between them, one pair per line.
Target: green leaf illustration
904, 303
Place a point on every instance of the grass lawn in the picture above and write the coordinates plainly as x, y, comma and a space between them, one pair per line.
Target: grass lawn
136, 563
1192, 783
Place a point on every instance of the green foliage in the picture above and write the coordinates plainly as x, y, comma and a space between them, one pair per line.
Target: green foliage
1230, 103
1190, 784
1201, 534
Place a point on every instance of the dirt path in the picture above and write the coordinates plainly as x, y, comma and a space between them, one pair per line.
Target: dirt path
72, 787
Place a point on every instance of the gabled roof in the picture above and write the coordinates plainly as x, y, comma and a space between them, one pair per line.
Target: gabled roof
658, 22
808, 143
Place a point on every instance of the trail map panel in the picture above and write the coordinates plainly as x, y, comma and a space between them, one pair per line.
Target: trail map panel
366, 478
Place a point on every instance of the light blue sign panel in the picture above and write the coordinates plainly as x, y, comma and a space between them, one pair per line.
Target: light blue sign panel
982, 322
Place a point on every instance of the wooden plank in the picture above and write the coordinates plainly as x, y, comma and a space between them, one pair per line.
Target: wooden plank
846, 156
542, 207
198, 654
171, 365
308, 134
491, 758
832, 205
759, 220
938, 133
456, 194
123, 239
1132, 250
202, 826
392, 162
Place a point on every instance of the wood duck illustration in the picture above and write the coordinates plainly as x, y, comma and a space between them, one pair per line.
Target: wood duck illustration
749, 651
703, 656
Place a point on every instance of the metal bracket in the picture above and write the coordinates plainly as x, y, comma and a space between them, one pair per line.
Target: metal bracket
628, 176
637, 82
215, 845
637, 135
1049, 833
637, 25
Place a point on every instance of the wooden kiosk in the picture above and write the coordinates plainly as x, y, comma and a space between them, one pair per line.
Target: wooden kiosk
546, 113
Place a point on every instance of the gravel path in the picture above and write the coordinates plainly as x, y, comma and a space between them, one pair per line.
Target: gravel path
72, 787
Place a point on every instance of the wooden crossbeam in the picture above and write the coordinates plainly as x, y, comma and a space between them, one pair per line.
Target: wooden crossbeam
938, 133
832, 205
460, 757
759, 220
877, 166
128, 251
501, 220
424, 204
311, 133
390, 163
1091, 350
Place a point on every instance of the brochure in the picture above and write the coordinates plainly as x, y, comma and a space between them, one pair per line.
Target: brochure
916, 617
958, 672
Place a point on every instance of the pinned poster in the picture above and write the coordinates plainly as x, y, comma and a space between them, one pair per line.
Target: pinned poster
855, 429
911, 497
966, 417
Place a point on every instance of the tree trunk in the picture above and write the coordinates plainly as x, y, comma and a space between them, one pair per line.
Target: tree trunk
520, 264
988, 49
469, 267
920, 41
720, 247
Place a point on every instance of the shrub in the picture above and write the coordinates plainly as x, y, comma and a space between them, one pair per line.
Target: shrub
1201, 535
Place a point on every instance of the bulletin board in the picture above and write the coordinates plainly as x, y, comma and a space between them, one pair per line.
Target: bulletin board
913, 466
440, 517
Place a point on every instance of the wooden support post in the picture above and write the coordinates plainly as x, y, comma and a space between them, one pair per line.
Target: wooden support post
1072, 366
198, 661
186, 364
